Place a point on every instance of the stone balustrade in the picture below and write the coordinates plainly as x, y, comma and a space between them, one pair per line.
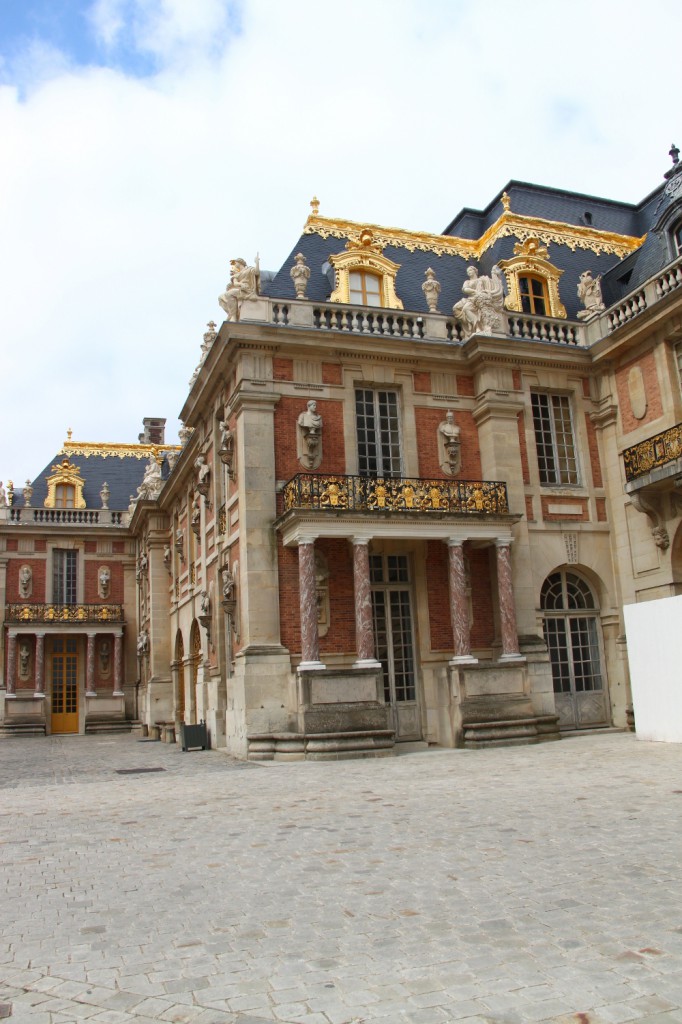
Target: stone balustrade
18, 515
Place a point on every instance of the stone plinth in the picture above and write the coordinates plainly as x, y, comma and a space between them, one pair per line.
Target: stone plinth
23, 714
492, 706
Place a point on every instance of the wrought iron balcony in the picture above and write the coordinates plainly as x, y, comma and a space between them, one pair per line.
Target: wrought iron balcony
654, 452
339, 493
24, 612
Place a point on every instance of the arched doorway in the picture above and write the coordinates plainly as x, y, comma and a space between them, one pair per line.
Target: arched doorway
572, 635
195, 658
180, 662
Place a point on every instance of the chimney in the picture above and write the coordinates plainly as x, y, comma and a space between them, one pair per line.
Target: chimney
154, 431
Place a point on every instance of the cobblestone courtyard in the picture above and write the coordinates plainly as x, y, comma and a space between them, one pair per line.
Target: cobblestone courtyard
521, 884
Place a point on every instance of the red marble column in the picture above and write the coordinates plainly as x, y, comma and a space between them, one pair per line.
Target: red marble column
505, 588
459, 605
40, 666
118, 665
364, 627
11, 665
310, 640
90, 690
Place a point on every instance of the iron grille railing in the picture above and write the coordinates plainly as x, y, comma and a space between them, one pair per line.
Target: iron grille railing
24, 612
339, 493
655, 451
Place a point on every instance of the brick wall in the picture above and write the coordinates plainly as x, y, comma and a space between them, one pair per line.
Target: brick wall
426, 422
601, 510
579, 504
523, 447
593, 448
438, 596
332, 373
91, 583
340, 637
465, 386
287, 412
422, 383
483, 627
530, 515
654, 409
282, 369
39, 570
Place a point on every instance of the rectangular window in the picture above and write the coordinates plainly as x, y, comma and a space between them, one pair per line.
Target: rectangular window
378, 429
557, 460
64, 576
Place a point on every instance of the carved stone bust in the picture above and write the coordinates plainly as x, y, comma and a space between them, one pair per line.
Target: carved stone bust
25, 581
309, 432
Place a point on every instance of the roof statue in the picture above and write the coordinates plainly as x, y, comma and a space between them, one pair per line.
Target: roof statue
482, 308
589, 293
244, 283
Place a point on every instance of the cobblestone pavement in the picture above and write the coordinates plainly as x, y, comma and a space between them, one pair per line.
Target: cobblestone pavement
511, 885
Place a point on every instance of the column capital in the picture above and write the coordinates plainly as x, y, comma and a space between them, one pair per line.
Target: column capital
361, 538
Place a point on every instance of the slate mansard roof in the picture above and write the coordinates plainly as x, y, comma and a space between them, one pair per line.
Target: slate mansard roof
620, 241
121, 466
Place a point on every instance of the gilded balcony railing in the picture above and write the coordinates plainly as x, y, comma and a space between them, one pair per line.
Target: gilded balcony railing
655, 451
24, 612
339, 492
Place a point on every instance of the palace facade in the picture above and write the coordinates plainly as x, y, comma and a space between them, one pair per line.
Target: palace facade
420, 477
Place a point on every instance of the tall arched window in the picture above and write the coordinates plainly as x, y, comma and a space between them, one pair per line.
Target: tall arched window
571, 625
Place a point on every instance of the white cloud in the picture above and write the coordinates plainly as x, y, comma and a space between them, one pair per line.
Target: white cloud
123, 199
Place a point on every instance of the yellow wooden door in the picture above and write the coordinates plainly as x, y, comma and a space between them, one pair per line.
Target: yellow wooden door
64, 685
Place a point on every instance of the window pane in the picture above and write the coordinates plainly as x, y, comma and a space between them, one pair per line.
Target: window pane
557, 458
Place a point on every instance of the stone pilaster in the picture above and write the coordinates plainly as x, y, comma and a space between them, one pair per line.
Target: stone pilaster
90, 667
40, 666
364, 628
505, 588
310, 640
459, 605
118, 665
11, 664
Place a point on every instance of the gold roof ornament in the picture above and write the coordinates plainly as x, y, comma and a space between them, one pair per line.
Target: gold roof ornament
506, 202
315, 206
64, 473
508, 224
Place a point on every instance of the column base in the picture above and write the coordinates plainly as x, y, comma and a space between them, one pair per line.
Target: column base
366, 663
90, 693
10, 696
311, 666
118, 693
39, 696
511, 657
463, 659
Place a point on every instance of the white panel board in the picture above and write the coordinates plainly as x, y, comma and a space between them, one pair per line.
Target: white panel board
654, 632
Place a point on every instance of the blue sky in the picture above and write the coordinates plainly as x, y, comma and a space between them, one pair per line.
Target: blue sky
65, 26
145, 143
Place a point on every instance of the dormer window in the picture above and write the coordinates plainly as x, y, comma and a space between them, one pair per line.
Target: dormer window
677, 239
532, 281
363, 275
65, 486
533, 293
65, 496
365, 288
